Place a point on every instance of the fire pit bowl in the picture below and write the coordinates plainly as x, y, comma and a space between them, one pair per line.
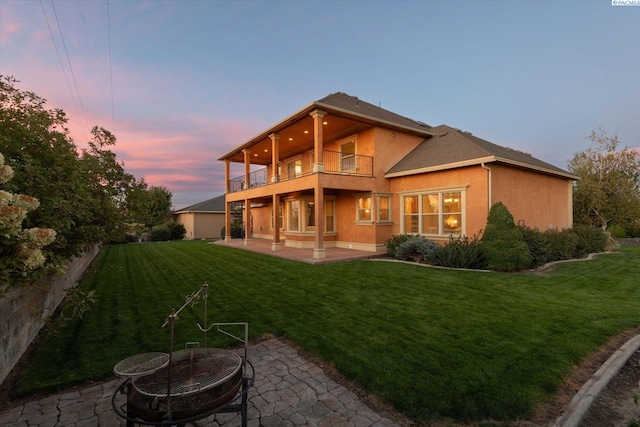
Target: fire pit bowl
202, 379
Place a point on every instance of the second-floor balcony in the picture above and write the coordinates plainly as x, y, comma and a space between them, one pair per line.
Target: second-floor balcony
334, 163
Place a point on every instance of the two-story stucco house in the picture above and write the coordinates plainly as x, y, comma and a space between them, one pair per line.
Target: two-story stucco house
341, 172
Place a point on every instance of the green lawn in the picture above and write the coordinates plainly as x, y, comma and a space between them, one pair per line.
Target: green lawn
434, 343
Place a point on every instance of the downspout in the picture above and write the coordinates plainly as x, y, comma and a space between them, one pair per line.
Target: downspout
490, 196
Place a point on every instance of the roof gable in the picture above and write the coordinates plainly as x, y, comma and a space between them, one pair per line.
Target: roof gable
450, 148
353, 105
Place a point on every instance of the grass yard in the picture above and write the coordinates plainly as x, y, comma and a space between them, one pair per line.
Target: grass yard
434, 343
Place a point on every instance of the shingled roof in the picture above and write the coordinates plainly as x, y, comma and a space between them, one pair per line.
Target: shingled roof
354, 106
451, 148
212, 205
342, 104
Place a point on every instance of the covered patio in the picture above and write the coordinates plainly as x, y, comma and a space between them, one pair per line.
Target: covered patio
303, 255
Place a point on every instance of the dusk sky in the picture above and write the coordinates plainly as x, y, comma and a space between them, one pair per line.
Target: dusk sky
181, 83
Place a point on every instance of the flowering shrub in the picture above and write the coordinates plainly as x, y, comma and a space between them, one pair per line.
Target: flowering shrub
21, 249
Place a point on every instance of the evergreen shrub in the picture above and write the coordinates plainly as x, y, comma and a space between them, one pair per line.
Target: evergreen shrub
505, 246
590, 240
539, 245
617, 231
159, 234
236, 230
176, 231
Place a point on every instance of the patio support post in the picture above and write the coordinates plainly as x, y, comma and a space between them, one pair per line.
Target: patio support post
318, 192
227, 221
276, 245
247, 222
227, 205
247, 169
318, 199
275, 157
318, 115
227, 172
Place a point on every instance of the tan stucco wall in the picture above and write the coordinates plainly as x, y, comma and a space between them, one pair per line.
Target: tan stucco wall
473, 178
540, 201
201, 225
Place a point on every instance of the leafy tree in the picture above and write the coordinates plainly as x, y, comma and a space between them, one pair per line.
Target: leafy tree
609, 187
82, 193
505, 247
109, 186
151, 206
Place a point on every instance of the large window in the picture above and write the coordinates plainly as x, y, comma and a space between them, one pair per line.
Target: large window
294, 215
372, 207
305, 219
433, 213
364, 208
310, 214
329, 215
384, 208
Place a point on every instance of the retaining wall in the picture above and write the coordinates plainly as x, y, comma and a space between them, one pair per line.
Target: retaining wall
21, 321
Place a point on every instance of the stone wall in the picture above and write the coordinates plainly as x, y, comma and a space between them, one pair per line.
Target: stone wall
20, 321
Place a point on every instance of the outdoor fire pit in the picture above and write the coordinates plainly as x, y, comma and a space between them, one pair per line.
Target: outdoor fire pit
186, 385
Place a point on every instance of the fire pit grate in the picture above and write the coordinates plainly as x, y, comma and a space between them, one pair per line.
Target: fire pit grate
193, 370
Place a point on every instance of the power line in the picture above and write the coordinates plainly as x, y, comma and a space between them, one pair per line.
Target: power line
113, 116
70, 67
53, 39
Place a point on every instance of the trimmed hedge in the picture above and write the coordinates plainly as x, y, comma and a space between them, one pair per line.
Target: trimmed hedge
461, 253
505, 246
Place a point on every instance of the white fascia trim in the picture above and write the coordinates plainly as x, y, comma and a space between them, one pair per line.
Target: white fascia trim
445, 166
537, 168
480, 161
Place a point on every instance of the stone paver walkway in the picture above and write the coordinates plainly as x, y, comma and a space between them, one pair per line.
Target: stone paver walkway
288, 391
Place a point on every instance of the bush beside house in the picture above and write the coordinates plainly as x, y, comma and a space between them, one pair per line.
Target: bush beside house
504, 246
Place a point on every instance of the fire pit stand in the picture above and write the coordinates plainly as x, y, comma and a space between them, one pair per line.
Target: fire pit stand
187, 385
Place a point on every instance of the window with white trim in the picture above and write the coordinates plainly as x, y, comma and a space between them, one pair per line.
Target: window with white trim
294, 215
384, 208
437, 213
363, 210
301, 215
329, 214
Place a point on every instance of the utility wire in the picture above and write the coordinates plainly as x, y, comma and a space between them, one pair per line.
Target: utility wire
70, 67
113, 116
53, 39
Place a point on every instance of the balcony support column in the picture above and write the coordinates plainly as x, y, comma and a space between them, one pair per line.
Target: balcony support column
275, 244
247, 222
318, 199
227, 221
275, 157
318, 143
247, 169
227, 177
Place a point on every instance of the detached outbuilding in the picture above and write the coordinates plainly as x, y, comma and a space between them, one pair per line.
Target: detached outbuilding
203, 220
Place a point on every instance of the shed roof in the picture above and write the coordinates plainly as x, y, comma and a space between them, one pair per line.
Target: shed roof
212, 205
